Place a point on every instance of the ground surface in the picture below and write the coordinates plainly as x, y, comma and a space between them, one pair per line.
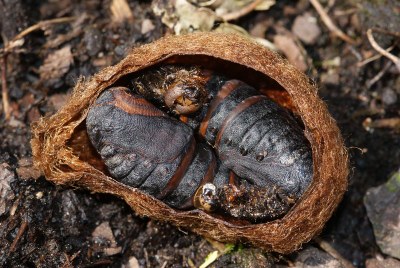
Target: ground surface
44, 225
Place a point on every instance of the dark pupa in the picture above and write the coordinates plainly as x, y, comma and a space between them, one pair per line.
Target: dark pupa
209, 132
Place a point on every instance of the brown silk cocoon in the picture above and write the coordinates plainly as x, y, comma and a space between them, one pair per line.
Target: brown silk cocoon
62, 151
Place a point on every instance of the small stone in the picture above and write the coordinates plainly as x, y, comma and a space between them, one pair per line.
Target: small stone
331, 78
132, 263
15, 123
104, 231
39, 195
147, 26
383, 209
73, 213
312, 257
389, 96
103, 235
93, 41
56, 65
6, 193
26, 170
382, 263
120, 50
306, 29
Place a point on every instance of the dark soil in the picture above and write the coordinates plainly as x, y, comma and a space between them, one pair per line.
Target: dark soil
50, 226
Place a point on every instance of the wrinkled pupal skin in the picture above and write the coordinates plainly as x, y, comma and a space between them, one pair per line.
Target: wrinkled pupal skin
264, 161
143, 147
257, 139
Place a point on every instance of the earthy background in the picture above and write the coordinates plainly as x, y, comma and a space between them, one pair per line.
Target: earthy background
43, 225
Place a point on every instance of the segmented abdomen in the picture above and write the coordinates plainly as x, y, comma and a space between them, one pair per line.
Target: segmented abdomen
257, 139
143, 147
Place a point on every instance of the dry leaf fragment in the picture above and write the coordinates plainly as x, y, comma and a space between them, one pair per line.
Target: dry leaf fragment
288, 46
56, 64
184, 17
306, 29
120, 11
265, 5
229, 6
192, 18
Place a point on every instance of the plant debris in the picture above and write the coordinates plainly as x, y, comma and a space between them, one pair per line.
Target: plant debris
56, 65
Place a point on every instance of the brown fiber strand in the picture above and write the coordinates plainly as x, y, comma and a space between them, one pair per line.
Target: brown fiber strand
61, 164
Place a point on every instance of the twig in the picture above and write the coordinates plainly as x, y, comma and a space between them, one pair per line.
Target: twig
379, 75
379, 30
21, 231
76, 31
333, 252
41, 24
393, 123
346, 12
329, 23
241, 12
146, 257
373, 58
68, 260
4, 89
380, 50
